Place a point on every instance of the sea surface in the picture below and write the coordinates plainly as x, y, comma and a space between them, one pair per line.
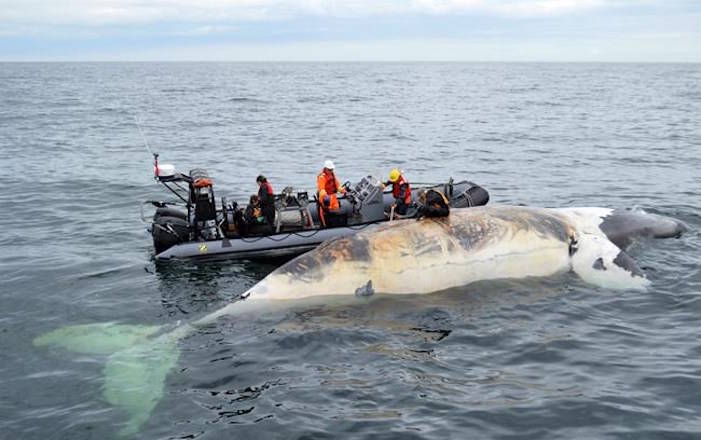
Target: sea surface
535, 358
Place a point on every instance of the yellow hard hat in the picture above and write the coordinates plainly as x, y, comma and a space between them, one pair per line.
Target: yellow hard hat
394, 175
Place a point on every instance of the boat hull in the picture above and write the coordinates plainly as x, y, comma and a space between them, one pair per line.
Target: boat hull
282, 245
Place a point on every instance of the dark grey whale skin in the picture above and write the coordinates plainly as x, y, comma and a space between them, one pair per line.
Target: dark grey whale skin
623, 227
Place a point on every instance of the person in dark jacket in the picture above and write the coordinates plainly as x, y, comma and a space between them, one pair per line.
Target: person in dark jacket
253, 213
433, 203
252, 216
266, 197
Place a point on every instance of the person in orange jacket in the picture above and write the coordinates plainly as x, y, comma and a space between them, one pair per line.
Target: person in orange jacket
328, 186
401, 191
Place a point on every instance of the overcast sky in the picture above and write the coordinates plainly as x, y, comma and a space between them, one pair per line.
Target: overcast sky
352, 30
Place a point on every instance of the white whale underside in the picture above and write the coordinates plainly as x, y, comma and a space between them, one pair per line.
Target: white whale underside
505, 251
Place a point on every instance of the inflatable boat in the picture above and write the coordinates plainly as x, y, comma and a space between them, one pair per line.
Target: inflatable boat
197, 227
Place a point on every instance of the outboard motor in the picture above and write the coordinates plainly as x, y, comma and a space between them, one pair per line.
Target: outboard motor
168, 228
204, 213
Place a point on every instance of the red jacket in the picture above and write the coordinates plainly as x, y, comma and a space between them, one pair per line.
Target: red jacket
401, 190
266, 195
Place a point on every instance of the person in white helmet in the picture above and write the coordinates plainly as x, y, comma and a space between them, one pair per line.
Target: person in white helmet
328, 187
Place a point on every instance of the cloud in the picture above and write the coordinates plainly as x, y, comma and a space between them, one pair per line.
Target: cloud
206, 30
139, 12
634, 48
350, 29
524, 8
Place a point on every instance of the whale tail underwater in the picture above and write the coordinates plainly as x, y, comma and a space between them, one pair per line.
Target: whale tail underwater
403, 257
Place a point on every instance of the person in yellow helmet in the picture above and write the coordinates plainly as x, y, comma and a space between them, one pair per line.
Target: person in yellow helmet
401, 190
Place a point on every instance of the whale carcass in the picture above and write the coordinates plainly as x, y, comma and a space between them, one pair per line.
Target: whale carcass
402, 257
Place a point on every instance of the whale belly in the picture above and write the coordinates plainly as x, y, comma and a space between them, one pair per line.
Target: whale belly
520, 256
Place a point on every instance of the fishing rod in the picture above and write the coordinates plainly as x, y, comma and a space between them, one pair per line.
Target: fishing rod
141, 131
148, 148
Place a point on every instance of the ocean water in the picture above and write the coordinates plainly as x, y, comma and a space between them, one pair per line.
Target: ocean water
533, 358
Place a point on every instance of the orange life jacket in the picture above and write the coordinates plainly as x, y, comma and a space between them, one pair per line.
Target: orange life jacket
202, 182
327, 185
397, 189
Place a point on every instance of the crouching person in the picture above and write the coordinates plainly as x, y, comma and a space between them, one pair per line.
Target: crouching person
254, 212
432, 203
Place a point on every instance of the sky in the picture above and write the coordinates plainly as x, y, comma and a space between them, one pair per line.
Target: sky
351, 30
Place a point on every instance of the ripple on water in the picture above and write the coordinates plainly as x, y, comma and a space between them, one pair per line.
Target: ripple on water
534, 358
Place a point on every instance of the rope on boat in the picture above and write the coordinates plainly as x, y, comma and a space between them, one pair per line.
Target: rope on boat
298, 234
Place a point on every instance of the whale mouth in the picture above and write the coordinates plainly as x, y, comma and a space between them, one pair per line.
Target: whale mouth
682, 228
623, 227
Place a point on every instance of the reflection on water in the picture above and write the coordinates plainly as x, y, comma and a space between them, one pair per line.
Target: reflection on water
189, 287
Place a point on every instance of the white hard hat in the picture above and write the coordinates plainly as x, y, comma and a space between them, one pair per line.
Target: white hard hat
328, 164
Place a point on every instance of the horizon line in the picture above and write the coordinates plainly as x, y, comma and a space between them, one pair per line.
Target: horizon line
360, 61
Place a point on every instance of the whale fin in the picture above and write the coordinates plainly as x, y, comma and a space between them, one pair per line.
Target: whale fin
137, 365
598, 261
102, 338
135, 379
